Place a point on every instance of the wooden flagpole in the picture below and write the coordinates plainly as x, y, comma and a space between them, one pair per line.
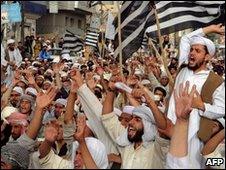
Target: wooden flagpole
119, 36
163, 56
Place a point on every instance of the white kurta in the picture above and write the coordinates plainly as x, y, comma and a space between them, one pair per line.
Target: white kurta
93, 110
13, 56
211, 111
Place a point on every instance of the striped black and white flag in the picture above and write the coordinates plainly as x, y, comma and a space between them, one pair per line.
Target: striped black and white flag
144, 43
72, 43
179, 15
93, 3
91, 38
134, 19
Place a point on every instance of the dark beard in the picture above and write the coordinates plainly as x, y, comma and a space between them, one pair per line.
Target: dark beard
137, 137
197, 66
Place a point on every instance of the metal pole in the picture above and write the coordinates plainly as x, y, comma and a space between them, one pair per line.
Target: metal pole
119, 36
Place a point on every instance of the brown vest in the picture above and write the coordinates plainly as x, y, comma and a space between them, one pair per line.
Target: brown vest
211, 84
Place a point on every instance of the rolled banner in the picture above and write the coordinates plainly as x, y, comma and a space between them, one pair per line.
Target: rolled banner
122, 86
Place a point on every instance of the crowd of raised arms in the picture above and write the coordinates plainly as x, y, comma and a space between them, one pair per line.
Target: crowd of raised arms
95, 113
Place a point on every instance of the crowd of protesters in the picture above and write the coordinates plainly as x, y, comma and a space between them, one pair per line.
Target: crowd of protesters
94, 113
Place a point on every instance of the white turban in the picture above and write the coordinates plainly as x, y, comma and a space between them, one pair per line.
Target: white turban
63, 74
76, 65
66, 56
128, 109
18, 90
138, 72
10, 41
31, 90
61, 101
145, 82
204, 41
96, 149
149, 126
98, 85
7, 111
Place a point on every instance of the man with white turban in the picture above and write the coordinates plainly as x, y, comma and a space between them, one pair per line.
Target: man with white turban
195, 51
12, 60
137, 140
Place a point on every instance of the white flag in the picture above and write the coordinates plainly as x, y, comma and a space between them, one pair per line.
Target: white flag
110, 29
53, 7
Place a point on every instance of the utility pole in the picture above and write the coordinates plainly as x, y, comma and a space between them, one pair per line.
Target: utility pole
22, 22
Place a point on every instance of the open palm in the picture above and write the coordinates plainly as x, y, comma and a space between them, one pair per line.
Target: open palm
44, 99
183, 101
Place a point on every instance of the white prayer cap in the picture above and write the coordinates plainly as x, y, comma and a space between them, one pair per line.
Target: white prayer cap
204, 41
47, 41
98, 85
32, 68
138, 72
10, 41
40, 76
97, 150
7, 111
44, 45
96, 77
66, 56
47, 81
76, 65
31, 90
145, 82
128, 109
61, 101
107, 76
164, 74
49, 71
28, 98
35, 62
18, 90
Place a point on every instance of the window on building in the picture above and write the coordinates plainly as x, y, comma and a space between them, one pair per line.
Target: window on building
72, 22
66, 21
80, 24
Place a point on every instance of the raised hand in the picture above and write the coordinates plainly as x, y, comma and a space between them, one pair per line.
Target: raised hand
219, 28
74, 87
131, 81
57, 67
16, 78
51, 133
30, 78
77, 77
99, 71
138, 93
183, 101
80, 131
113, 80
44, 99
